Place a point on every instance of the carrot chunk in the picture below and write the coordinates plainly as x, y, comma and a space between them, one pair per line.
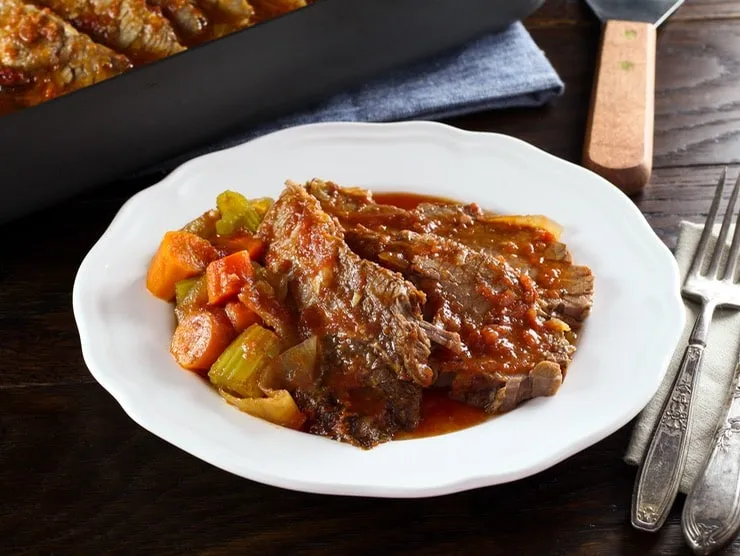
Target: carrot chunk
225, 277
240, 315
180, 255
200, 338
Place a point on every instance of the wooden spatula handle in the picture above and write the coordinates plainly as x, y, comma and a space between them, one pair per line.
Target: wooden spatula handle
619, 137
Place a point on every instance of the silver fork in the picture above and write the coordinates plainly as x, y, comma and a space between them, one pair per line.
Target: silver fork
659, 475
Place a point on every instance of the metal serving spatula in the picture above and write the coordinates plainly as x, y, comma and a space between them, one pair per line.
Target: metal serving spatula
619, 136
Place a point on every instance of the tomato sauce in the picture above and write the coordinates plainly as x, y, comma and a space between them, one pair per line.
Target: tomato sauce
439, 413
408, 201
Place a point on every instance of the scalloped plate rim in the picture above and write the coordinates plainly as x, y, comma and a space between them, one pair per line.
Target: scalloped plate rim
181, 436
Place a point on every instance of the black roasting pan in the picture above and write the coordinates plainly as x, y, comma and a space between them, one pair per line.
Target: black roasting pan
167, 108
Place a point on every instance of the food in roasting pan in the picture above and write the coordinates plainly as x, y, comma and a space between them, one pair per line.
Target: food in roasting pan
42, 56
52, 47
130, 27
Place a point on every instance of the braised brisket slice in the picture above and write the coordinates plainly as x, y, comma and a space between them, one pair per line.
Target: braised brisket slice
513, 350
516, 307
41, 54
373, 349
130, 27
266, 294
565, 289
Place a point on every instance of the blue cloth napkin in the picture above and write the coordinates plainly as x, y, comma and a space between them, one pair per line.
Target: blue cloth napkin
501, 70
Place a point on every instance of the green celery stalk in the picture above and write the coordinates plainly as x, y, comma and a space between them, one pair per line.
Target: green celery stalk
251, 219
232, 206
183, 287
196, 296
237, 369
238, 213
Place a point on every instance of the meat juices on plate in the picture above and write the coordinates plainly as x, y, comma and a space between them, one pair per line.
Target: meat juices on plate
373, 348
516, 314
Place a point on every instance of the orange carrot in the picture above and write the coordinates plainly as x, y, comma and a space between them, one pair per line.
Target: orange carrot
242, 241
180, 255
225, 277
200, 338
240, 315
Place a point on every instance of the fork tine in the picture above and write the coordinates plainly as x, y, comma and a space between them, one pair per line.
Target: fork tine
731, 266
719, 247
701, 248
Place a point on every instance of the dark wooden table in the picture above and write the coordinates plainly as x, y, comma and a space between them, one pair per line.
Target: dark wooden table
77, 476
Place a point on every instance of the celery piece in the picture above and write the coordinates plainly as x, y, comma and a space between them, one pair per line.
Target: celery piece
232, 206
237, 213
196, 297
231, 202
237, 369
183, 287
228, 224
198, 294
251, 219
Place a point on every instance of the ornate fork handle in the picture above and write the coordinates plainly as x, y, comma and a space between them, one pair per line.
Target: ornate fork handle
711, 514
661, 469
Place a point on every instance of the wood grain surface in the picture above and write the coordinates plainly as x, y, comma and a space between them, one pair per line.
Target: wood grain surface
78, 477
709, 9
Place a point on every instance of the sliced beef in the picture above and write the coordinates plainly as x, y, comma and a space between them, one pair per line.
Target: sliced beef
42, 56
266, 294
130, 27
513, 350
238, 13
565, 289
507, 286
372, 347
499, 392
188, 19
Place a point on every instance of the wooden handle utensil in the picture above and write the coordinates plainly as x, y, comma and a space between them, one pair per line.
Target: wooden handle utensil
619, 139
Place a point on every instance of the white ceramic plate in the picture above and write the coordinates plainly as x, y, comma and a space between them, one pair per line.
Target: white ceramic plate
623, 353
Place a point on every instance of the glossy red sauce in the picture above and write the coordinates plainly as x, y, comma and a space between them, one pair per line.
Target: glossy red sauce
408, 201
7, 104
439, 414
519, 338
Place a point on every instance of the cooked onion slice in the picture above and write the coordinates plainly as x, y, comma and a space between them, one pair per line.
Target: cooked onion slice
294, 369
530, 221
278, 407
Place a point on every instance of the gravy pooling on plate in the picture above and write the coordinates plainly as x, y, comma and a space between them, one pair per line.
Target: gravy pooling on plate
366, 317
